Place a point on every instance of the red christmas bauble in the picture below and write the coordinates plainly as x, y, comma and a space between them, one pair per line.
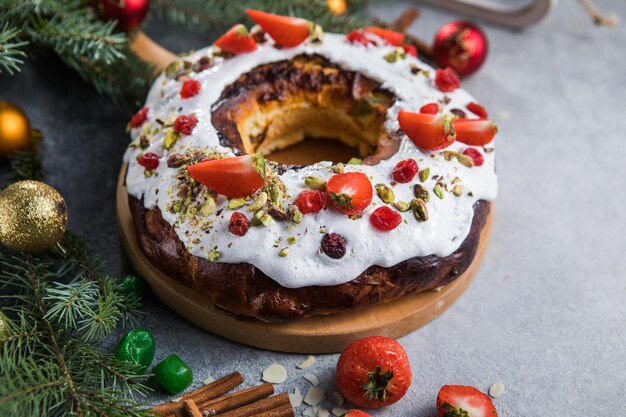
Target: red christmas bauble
462, 46
128, 13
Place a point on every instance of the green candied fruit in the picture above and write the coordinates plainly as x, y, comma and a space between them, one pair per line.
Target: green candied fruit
137, 347
173, 374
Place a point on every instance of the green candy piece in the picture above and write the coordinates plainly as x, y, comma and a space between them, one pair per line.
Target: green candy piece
173, 374
132, 285
137, 347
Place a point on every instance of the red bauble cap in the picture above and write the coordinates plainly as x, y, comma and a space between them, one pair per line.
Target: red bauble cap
462, 46
128, 13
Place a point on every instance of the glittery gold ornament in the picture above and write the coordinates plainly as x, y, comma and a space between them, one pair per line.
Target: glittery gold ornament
337, 7
33, 216
15, 133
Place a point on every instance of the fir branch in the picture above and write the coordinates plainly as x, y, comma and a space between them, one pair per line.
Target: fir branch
11, 52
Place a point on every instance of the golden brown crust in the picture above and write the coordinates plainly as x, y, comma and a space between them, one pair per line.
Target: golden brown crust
245, 290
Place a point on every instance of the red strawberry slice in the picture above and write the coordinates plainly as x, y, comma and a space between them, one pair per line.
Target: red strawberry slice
286, 31
475, 132
350, 193
233, 177
429, 132
236, 40
391, 37
464, 401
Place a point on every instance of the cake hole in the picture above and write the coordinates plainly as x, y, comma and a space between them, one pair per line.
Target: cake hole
313, 150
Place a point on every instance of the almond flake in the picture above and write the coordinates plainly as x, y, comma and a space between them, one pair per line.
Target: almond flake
496, 389
338, 411
314, 396
339, 399
175, 400
307, 363
309, 412
323, 413
275, 374
312, 379
296, 398
208, 380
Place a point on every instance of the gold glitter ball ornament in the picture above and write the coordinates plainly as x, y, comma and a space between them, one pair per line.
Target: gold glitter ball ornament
33, 216
15, 132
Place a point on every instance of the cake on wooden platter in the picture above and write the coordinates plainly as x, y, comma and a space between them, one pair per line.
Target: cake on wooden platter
286, 241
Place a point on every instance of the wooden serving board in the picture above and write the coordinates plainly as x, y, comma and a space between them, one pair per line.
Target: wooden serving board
321, 334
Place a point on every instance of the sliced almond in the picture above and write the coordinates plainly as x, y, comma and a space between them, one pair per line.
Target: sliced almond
496, 389
322, 413
338, 399
208, 380
314, 396
307, 363
309, 412
275, 374
312, 379
338, 411
296, 398
175, 400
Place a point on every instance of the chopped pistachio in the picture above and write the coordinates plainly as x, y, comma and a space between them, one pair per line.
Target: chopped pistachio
214, 255
438, 190
315, 183
322, 230
385, 193
177, 207
402, 206
295, 214
421, 192
148, 173
277, 213
276, 194
291, 240
457, 190
424, 174
465, 160
420, 211
456, 180
170, 139
448, 155
259, 203
261, 218
235, 203
284, 252
339, 168
396, 55
208, 207
355, 161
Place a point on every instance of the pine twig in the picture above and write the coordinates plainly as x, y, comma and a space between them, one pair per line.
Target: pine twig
11, 52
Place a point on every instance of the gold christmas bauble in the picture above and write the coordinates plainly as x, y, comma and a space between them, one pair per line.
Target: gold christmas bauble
337, 7
15, 133
33, 216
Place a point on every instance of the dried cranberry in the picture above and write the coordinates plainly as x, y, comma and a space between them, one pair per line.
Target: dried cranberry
334, 245
149, 161
405, 171
357, 36
139, 118
384, 218
190, 88
185, 124
409, 49
310, 201
430, 108
446, 80
239, 224
476, 156
478, 110
458, 112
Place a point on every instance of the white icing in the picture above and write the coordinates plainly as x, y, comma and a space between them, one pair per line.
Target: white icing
450, 218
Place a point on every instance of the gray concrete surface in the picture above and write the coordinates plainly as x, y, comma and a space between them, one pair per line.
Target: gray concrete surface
547, 313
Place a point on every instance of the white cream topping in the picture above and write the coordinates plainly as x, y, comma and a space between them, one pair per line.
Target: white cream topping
306, 265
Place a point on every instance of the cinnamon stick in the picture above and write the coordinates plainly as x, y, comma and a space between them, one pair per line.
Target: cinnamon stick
203, 394
260, 406
283, 411
192, 408
405, 20
236, 400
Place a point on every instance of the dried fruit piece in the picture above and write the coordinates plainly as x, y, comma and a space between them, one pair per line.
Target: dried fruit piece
185, 124
430, 108
357, 36
478, 110
139, 118
310, 201
190, 88
446, 80
238, 224
149, 161
350, 192
391, 37
236, 40
286, 31
334, 245
238, 176
385, 219
428, 132
405, 171
476, 156
409, 49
